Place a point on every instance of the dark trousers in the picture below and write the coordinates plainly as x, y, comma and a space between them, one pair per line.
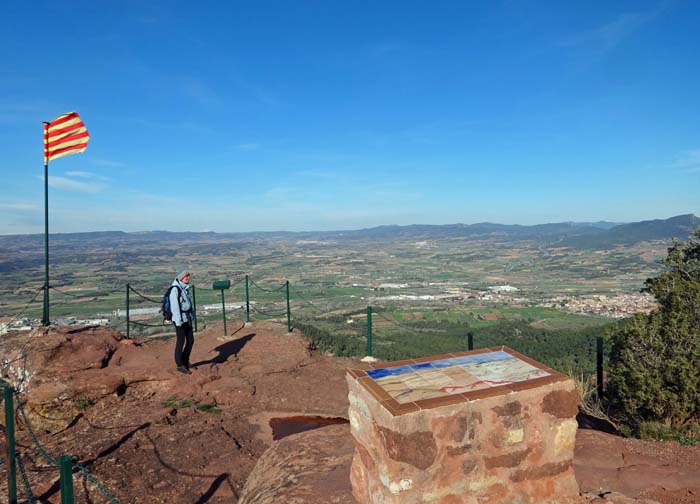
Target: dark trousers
183, 344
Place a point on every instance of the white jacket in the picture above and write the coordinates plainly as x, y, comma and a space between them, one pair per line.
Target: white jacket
182, 307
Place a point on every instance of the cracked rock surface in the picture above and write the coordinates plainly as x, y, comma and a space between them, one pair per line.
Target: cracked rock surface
151, 434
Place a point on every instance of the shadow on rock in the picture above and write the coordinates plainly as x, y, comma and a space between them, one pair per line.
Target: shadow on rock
228, 349
586, 421
53, 489
212, 489
118, 444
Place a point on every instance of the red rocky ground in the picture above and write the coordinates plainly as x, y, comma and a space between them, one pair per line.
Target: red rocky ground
118, 406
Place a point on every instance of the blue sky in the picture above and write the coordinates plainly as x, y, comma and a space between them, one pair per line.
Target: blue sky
233, 116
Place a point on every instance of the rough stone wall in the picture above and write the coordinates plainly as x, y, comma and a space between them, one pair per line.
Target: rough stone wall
514, 448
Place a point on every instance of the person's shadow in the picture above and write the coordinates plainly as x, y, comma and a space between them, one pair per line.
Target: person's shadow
226, 350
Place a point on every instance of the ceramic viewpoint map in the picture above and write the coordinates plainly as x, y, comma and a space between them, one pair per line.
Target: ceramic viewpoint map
443, 377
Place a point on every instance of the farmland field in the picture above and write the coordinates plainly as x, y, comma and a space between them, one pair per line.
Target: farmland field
451, 285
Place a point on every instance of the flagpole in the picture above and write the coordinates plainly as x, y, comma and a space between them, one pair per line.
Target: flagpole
45, 317
66, 134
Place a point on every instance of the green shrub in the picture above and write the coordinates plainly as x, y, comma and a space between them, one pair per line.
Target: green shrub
687, 436
82, 403
654, 373
327, 341
563, 349
207, 407
174, 403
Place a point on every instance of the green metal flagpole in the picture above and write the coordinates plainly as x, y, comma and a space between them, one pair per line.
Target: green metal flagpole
10, 455
70, 130
45, 317
369, 331
66, 478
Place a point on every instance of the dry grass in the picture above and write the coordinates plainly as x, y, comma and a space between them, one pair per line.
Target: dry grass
591, 403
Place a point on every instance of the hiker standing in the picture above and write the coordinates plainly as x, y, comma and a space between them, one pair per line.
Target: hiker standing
183, 315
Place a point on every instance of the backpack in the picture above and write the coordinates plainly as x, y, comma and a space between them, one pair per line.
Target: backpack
166, 309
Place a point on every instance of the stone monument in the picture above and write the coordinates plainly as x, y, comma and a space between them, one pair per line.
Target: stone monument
486, 426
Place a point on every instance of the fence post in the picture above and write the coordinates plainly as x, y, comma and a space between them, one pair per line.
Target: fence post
599, 366
194, 307
127, 310
369, 331
223, 310
289, 313
470, 340
66, 479
247, 301
10, 456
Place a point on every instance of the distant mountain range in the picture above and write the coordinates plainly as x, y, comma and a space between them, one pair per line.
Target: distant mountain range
600, 234
679, 227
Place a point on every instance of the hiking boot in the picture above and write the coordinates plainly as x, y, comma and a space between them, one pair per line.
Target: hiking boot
184, 370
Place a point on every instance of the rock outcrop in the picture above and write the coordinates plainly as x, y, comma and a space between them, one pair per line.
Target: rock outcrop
152, 435
307, 468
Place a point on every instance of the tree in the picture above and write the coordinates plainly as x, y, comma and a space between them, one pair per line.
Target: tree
655, 359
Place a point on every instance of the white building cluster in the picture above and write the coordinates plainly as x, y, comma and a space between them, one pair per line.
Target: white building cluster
16, 325
618, 306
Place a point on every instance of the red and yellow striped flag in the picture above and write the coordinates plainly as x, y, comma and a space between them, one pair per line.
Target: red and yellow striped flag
64, 135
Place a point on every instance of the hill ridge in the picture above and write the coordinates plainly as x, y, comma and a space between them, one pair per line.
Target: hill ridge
599, 234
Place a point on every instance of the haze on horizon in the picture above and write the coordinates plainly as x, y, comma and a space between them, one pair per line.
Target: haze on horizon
326, 116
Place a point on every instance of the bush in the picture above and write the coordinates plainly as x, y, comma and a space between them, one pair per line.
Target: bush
568, 350
327, 341
688, 436
655, 359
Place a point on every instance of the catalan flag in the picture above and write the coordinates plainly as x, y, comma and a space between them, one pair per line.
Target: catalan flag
64, 135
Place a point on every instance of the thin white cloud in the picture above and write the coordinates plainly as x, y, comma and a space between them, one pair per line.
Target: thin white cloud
177, 125
330, 176
436, 131
278, 193
200, 91
608, 36
266, 97
107, 163
247, 146
23, 207
387, 194
155, 198
87, 175
689, 162
385, 48
22, 112
82, 174
71, 185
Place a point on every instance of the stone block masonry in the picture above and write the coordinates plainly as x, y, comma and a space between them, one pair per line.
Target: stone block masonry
487, 426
